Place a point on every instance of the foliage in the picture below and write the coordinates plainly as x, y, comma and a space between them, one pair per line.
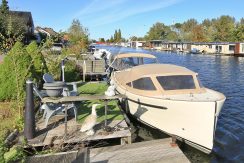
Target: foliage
38, 61
117, 37
158, 31
14, 71
16, 153
224, 29
12, 28
78, 35
72, 73
239, 33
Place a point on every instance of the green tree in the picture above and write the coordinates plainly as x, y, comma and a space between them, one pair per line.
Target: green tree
187, 28
101, 40
119, 36
158, 31
4, 8
198, 34
39, 64
14, 71
242, 21
239, 33
111, 39
224, 28
78, 35
115, 36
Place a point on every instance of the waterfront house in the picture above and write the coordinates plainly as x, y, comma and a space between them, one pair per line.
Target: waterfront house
137, 44
24, 18
202, 47
214, 47
239, 48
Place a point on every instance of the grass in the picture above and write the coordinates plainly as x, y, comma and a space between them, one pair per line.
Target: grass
85, 107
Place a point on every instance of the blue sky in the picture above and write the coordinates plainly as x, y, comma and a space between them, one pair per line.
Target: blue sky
133, 17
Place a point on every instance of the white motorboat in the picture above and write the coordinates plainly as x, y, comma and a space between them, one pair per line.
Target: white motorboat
101, 53
172, 99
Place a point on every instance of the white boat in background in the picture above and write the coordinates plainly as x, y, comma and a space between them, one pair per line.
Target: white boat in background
172, 99
101, 54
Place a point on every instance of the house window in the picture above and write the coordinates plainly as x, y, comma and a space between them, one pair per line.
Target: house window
210, 46
143, 84
231, 47
242, 48
176, 82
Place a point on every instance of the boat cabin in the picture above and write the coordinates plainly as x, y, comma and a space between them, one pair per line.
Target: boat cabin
157, 79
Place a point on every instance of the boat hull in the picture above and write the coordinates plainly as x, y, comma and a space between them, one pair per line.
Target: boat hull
193, 122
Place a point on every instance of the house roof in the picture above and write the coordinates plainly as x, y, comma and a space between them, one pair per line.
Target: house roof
25, 16
48, 30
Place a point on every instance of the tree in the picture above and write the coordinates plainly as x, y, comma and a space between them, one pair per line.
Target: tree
111, 39
241, 21
119, 36
14, 71
239, 33
198, 34
101, 40
115, 36
224, 28
4, 8
158, 31
78, 36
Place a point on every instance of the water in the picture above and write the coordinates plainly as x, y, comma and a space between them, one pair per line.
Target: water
224, 74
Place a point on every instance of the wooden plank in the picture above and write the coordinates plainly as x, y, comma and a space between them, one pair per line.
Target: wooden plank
63, 157
150, 151
68, 99
55, 132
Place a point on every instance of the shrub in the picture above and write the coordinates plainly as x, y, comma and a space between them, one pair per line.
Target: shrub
71, 72
14, 71
39, 63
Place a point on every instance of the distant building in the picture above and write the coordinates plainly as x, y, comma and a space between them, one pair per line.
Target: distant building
239, 49
137, 44
47, 32
200, 47
25, 18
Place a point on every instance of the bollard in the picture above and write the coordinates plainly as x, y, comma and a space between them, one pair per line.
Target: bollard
29, 121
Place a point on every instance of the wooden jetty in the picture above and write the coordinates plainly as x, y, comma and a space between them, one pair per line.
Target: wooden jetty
62, 130
148, 151
55, 132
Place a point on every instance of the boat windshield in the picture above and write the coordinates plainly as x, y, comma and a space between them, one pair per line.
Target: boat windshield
124, 63
176, 82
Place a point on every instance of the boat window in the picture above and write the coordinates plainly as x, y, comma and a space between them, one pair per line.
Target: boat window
144, 84
176, 82
128, 84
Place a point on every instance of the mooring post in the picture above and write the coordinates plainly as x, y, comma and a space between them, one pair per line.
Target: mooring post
29, 119
106, 112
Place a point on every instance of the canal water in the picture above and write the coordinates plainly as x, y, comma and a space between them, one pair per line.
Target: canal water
221, 73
